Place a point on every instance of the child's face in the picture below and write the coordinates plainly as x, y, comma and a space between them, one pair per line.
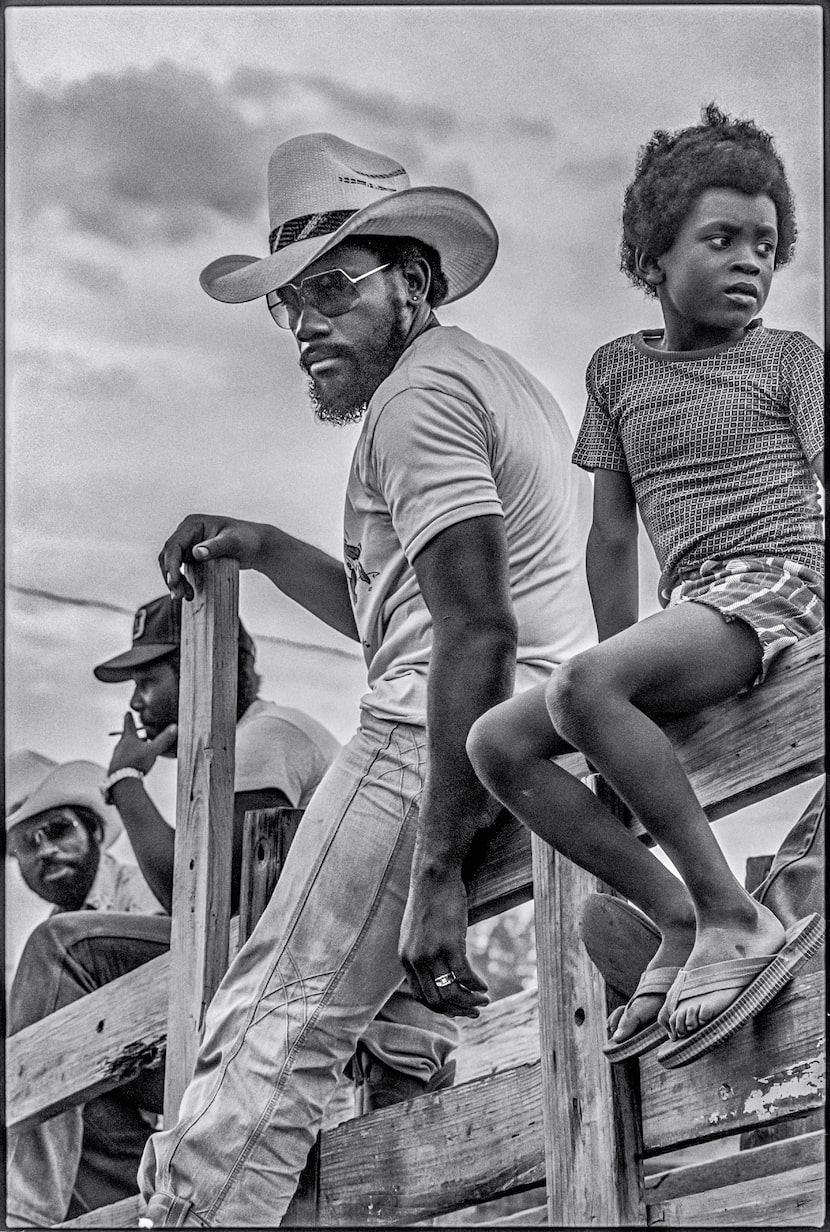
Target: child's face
717, 274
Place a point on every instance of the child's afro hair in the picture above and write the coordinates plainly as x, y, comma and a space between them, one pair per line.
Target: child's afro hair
673, 169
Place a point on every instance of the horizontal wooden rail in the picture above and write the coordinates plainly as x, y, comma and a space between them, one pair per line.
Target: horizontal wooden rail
780, 1185
479, 1141
435, 1153
742, 750
736, 753
88, 1047
484, 1138
773, 1067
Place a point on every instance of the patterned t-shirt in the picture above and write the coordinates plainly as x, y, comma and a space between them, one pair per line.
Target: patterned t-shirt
717, 443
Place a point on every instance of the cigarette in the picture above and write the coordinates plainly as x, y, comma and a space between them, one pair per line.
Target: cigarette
140, 731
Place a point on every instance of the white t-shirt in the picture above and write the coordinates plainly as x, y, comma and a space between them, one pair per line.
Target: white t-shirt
459, 430
283, 748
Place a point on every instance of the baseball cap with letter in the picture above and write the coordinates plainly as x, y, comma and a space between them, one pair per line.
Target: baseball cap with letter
157, 633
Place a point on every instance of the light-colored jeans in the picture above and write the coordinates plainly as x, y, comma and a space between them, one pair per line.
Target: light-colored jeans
321, 963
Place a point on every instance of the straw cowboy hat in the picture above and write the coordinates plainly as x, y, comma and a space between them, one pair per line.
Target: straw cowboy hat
323, 190
35, 783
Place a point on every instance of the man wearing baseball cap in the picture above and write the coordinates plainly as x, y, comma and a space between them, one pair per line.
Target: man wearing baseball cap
461, 578
87, 1157
281, 753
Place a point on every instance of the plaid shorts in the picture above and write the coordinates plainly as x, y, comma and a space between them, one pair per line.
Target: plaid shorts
779, 599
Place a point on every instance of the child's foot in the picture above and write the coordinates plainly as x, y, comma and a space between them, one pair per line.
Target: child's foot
643, 1007
759, 935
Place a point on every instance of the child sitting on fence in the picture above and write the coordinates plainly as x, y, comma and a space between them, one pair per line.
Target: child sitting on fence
712, 427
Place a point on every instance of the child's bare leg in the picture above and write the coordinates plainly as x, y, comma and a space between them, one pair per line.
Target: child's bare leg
680, 660
510, 748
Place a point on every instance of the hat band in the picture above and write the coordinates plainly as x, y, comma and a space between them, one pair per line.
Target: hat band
307, 227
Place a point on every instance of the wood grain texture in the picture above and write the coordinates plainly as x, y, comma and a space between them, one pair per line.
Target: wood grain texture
505, 1035
591, 1138
88, 1047
267, 837
773, 1067
435, 1153
96, 1043
761, 1161
779, 1185
736, 753
204, 815
123, 1214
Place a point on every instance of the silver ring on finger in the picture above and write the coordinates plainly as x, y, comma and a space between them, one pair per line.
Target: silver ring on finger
444, 981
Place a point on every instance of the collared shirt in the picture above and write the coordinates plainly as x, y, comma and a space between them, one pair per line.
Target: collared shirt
119, 887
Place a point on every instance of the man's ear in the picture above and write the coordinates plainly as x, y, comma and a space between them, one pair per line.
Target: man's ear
649, 268
417, 276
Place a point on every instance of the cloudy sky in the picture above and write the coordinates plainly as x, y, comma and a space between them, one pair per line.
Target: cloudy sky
137, 143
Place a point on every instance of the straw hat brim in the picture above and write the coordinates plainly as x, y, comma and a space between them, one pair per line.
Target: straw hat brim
448, 220
73, 783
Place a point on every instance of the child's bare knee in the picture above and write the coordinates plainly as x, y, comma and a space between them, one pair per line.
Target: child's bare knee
492, 749
572, 696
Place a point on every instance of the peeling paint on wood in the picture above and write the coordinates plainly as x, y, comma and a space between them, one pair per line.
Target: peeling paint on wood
806, 1080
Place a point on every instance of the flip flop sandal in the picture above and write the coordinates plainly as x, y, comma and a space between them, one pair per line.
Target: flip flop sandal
655, 982
756, 980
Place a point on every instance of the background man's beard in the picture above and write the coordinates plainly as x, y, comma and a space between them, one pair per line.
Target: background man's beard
375, 368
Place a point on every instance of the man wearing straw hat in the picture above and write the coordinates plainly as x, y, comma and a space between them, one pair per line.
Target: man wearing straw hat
59, 830
462, 580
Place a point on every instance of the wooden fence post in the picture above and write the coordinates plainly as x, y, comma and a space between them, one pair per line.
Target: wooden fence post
267, 836
204, 815
591, 1126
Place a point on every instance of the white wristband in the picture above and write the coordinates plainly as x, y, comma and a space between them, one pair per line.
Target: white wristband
128, 772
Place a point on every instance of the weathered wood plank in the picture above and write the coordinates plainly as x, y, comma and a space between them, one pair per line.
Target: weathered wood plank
778, 1185
591, 1137
123, 1214
507, 877
737, 753
88, 1047
749, 747
267, 837
434, 1153
204, 815
525, 1209
504, 1036
94, 1044
761, 1161
533, 1217
773, 1067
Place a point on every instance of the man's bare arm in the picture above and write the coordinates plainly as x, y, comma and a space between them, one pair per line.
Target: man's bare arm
463, 575
305, 573
152, 839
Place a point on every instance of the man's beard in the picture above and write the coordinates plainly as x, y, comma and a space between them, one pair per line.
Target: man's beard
375, 365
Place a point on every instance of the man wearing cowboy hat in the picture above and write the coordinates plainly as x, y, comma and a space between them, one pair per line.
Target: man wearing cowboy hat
58, 829
461, 579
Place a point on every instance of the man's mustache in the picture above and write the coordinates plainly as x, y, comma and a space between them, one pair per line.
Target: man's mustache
314, 354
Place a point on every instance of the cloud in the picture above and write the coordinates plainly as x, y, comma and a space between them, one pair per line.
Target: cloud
93, 276
143, 155
160, 154
69, 375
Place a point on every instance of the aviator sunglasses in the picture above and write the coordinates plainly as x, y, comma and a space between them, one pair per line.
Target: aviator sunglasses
331, 293
55, 831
